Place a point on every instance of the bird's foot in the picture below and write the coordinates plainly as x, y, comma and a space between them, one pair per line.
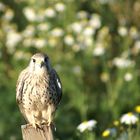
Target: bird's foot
37, 127
52, 125
28, 125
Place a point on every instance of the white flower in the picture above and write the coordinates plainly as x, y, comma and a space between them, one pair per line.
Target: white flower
84, 41
104, 77
60, 7
128, 77
29, 31
88, 41
27, 42
95, 21
52, 41
13, 38
122, 31
69, 40
9, 14
82, 14
136, 48
50, 12
76, 27
39, 42
29, 13
43, 26
133, 32
76, 47
129, 119
22, 55
57, 32
88, 31
98, 50
87, 125
122, 62
19, 55
137, 44
2, 6
40, 15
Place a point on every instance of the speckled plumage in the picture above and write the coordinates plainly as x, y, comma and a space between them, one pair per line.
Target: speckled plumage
38, 91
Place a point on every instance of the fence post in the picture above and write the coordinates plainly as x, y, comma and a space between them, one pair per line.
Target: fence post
30, 133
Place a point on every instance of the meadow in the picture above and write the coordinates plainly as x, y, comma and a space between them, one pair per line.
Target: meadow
94, 45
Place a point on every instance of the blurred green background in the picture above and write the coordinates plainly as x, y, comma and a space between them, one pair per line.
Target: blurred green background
94, 45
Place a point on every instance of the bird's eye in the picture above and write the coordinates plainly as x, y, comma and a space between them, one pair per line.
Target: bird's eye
46, 59
34, 60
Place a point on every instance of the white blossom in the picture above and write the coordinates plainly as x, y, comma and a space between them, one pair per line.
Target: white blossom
95, 21
2, 6
27, 42
39, 42
57, 32
30, 14
133, 32
76, 47
87, 125
122, 62
128, 77
104, 77
88, 41
29, 31
22, 55
82, 14
129, 118
122, 31
40, 17
60, 7
9, 14
52, 41
69, 40
50, 12
99, 50
43, 26
12, 39
19, 55
88, 31
136, 48
76, 27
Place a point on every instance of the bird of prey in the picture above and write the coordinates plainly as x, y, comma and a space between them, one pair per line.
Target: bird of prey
38, 91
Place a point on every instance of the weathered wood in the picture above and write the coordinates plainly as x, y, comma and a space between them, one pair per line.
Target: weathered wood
30, 133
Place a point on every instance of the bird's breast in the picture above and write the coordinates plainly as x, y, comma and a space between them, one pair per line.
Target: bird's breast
35, 93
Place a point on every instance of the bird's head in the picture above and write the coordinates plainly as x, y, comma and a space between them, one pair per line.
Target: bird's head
39, 63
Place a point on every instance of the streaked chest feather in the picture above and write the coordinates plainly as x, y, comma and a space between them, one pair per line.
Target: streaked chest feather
35, 92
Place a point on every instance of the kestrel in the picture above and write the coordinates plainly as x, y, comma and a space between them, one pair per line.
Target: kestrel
38, 91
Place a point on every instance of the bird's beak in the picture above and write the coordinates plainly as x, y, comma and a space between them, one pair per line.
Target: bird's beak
40, 63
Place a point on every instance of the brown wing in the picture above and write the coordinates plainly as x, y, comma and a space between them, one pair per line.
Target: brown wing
19, 91
58, 84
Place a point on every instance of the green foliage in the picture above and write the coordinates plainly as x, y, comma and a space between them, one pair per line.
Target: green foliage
93, 45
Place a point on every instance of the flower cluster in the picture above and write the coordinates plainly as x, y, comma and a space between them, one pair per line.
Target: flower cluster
117, 130
121, 127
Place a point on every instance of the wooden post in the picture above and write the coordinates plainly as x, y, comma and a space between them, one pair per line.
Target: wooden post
30, 133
